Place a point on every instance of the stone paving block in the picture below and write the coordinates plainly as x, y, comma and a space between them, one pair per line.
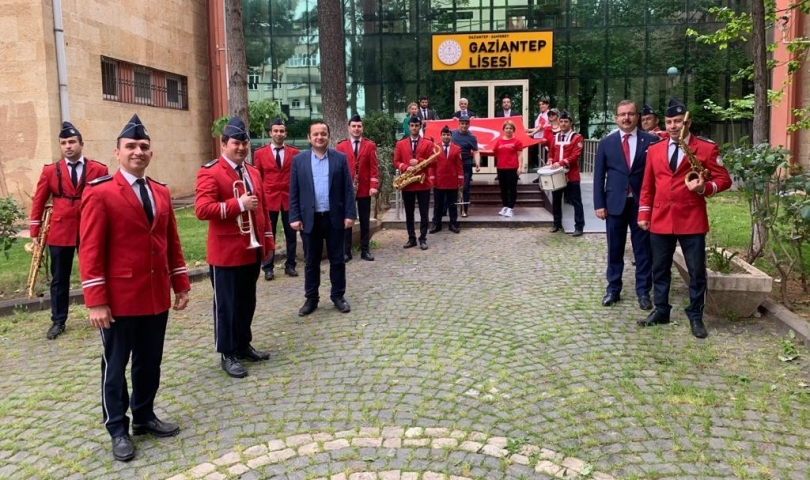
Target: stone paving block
574, 464
339, 476
416, 442
238, 469
202, 470
458, 434
257, 462
322, 437
551, 455
336, 444
500, 442
393, 432
520, 459
346, 433
456, 477
547, 468
274, 445
363, 476
281, 455
216, 476
444, 443
414, 432
433, 476
529, 450
228, 459
366, 442
369, 432
392, 443
309, 449
298, 440
601, 476
390, 475
181, 476
471, 446
409, 476
477, 436
255, 451
437, 432
494, 451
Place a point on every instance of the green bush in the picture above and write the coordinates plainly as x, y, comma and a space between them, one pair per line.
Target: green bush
260, 113
10, 214
380, 127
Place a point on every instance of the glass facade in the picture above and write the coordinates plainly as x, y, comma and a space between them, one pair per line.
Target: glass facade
604, 51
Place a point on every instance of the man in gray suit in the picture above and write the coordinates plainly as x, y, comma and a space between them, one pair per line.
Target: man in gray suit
321, 208
425, 113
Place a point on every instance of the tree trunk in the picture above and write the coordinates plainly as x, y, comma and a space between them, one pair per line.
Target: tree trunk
237, 61
355, 53
333, 67
761, 83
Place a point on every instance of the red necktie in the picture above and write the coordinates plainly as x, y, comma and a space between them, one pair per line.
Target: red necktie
626, 148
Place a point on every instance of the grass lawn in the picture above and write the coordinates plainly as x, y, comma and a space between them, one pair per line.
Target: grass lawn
14, 271
729, 222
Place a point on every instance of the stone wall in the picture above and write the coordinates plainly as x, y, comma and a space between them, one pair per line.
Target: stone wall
170, 35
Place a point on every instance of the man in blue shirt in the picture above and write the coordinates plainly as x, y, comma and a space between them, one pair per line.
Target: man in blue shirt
468, 144
321, 207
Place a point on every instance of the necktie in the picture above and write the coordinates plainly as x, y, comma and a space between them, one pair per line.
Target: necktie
673, 160
278, 157
74, 175
447, 151
147, 205
242, 177
413, 147
356, 147
424, 114
626, 149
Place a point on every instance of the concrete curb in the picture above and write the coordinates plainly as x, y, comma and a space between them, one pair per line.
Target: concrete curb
776, 311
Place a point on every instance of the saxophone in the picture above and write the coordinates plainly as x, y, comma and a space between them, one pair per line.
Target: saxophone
38, 251
413, 176
697, 168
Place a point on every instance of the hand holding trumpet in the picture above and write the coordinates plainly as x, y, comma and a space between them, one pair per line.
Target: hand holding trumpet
250, 202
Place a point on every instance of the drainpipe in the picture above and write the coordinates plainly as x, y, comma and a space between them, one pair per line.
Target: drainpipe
61, 64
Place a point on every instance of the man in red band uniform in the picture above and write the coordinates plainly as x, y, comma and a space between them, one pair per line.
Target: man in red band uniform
675, 212
564, 152
273, 162
449, 179
233, 253
408, 153
649, 122
63, 182
361, 154
131, 259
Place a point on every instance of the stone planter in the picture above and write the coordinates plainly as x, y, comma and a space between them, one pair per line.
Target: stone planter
733, 295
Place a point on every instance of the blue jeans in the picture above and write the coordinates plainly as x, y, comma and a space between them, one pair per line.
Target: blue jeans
468, 173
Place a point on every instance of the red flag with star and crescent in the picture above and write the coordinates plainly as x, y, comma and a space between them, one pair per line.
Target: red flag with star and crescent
486, 131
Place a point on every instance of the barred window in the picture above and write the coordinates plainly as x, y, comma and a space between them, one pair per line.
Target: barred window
130, 83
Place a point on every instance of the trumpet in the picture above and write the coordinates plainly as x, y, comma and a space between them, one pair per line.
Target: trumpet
697, 168
38, 251
250, 228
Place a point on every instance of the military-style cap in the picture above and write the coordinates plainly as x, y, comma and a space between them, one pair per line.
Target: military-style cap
415, 119
675, 108
648, 110
446, 129
355, 118
464, 119
565, 115
553, 111
134, 130
68, 130
236, 129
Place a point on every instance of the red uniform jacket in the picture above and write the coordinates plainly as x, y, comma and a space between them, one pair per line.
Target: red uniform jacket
661, 133
215, 202
402, 158
125, 263
666, 202
449, 175
570, 153
66, 213
275, 182
369, 169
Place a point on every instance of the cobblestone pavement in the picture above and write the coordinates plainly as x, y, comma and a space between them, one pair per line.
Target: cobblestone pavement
487, 356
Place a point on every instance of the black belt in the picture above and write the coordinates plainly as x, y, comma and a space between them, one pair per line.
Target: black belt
322, 214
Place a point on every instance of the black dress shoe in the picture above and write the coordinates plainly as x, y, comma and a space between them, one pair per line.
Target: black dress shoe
644, 302
454, 228
308, 307
156, 427
610, 298
654, 318
411, 243
269, 276
367, 256
232, 367
122, 448
290, 271
423, 245
698, 329
577, 233
347, 258
536, 180
252, 354
55, 330
556, 228
435, 229
342, 305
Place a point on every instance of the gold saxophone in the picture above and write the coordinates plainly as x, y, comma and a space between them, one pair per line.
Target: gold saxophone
697, 168
412, 176
38, 251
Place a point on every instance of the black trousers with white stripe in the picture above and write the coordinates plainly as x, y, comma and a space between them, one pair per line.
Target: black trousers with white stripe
142, 338
234, 305
61, 266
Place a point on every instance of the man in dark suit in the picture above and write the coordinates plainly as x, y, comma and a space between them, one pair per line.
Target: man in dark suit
462, 111
618, 171
425, 113
506, 108
321, 207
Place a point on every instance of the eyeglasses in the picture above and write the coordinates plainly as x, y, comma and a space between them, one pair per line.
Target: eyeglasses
627, 114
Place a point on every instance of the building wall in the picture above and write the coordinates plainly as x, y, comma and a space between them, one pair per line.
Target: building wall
170, 35
802, 154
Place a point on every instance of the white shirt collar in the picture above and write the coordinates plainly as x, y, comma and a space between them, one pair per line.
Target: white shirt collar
230, 162
80, 160
685, 140
130, 178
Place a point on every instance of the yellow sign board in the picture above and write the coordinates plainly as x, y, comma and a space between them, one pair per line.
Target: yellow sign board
492, 51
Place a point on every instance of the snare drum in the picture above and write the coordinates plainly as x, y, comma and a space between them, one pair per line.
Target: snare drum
552, 179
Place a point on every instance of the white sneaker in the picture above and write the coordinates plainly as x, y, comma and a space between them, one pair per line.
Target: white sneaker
503, 211
508, 213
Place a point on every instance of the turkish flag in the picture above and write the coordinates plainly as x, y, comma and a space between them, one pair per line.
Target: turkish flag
486, 130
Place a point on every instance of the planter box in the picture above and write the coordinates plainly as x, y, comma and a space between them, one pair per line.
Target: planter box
733, 295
